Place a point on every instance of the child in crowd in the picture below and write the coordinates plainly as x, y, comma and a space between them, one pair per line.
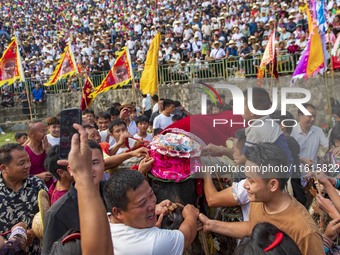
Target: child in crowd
62, 177
53, 126
142, 125
21, 137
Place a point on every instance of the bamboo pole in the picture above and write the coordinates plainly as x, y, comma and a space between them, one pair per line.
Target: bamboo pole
28, 92
333, 82
328, 101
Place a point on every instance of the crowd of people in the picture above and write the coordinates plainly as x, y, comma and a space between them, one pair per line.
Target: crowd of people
110, 162
194, 32
103, 189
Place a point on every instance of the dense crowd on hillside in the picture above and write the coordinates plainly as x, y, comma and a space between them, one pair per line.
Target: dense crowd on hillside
130, 167
191, 31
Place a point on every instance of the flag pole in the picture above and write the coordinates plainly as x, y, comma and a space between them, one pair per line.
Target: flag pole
333, 82
22, 74
329, 107
133, 87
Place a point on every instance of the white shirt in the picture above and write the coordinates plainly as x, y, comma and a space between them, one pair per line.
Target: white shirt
240, 194
162, 121
53, 140
196, 46
132, 128
146, 241
309, 143
155, 108
217, 53
146, 103
147, 138
104, 134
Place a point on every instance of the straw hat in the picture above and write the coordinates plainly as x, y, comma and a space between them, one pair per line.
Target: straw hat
39, 218
231, 42
195, 27
217, 42
126, 105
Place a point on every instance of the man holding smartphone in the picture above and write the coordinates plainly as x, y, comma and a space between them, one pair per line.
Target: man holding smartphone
63, 214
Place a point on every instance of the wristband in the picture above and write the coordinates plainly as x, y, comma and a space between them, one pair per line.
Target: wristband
337, 183
18, 231
326, 249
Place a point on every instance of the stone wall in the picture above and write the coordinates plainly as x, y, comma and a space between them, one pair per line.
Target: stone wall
190, 96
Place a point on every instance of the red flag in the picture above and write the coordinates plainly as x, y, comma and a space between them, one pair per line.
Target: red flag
119, 75
66, 67
86, 100
10, 65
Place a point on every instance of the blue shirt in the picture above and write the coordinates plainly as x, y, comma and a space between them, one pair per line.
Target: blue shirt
38, 94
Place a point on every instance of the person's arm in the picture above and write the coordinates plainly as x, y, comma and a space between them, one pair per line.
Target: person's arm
92, 213
328, 207
189, 225
217, 151
233, 229
331, 191
116, 160
216, 198
123, 137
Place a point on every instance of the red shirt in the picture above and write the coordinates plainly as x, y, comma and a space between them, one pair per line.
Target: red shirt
55, 194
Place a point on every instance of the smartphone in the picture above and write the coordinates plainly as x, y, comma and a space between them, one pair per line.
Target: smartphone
67, 118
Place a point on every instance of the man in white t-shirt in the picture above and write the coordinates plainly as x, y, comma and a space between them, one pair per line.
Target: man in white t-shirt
309, 137
165, 118
146, 105
53, 126
103, 120
120, 134
142, 123
133, 218
155, 103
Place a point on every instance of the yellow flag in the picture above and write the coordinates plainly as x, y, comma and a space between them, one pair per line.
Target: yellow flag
149, 79
316, 57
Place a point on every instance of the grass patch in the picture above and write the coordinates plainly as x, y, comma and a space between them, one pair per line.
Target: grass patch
9, 135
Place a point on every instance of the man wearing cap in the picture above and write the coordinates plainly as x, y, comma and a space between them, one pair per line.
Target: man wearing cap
18, 191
